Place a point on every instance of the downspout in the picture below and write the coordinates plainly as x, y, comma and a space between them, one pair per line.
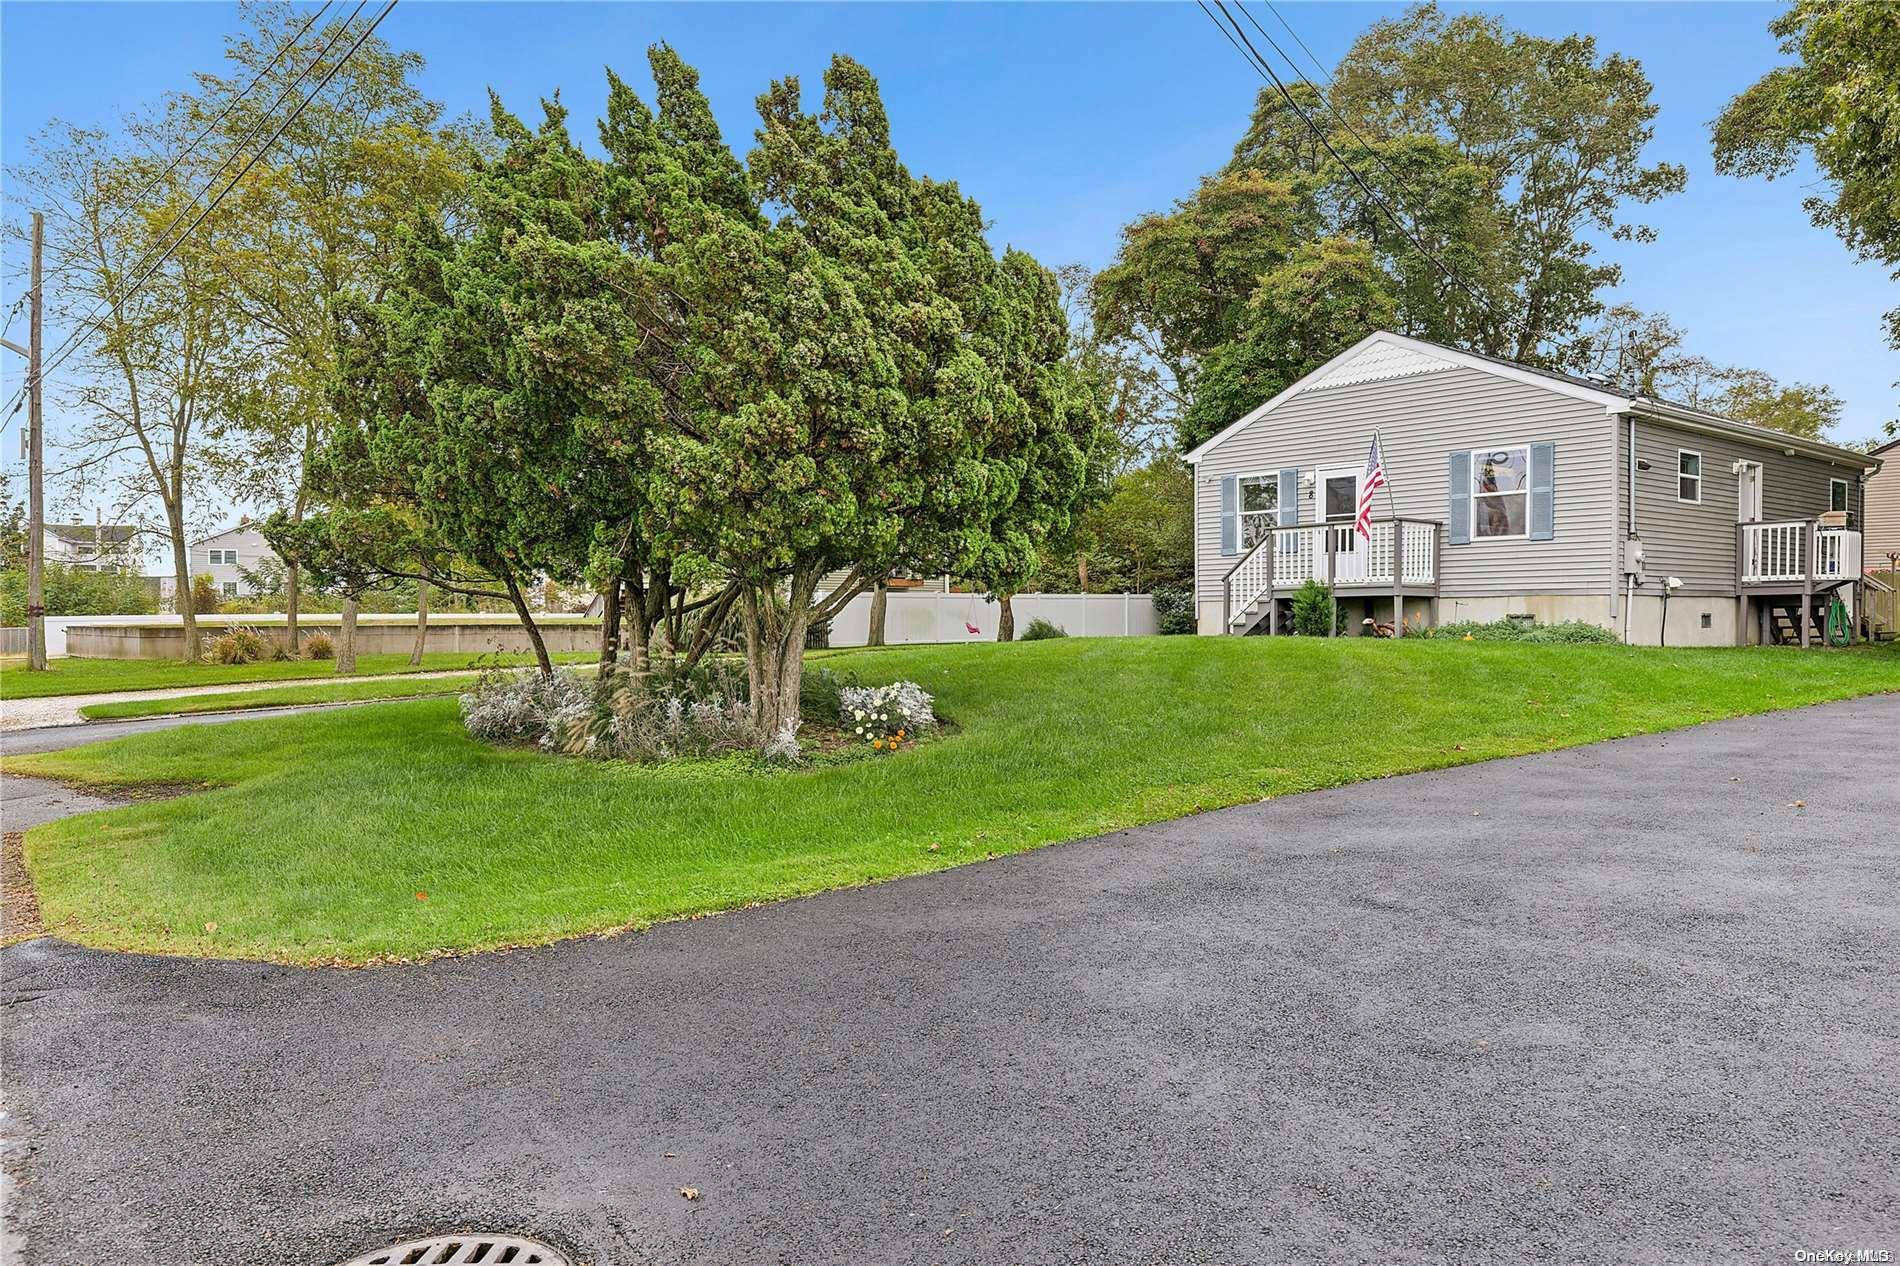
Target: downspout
1629, 573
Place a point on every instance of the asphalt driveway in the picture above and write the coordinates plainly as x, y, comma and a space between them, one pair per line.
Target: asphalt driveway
1632, 1002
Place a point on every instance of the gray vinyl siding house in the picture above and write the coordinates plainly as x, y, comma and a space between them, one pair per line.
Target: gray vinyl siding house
1540, 525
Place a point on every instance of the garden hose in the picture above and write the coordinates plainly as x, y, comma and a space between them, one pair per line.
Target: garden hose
1837, 622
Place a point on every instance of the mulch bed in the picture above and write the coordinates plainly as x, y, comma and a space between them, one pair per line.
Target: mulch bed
20, 918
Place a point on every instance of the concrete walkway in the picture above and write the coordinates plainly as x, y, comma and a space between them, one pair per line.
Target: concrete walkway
28, 714
1638, 1001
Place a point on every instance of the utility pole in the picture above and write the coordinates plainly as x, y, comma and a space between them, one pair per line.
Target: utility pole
35, 495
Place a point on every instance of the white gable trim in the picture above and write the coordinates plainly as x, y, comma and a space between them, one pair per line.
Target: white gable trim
1419, 349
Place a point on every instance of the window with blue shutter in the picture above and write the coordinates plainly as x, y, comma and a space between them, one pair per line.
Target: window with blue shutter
1543, 525
1458, 501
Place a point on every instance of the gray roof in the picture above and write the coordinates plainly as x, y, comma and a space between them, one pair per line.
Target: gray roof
1765, 433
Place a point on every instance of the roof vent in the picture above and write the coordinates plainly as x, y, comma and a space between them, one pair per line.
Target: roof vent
1600, 379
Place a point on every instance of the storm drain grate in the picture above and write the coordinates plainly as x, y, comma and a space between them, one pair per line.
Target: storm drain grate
464, 1250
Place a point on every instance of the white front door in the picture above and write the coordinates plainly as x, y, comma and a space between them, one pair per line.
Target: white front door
1336, 497
1748, 503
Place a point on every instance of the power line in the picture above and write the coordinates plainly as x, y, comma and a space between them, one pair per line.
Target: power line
71, 343
1266, 71
1325, 97
185, 152
224, 114
67, 345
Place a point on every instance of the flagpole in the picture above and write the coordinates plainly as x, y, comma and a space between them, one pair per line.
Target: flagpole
1390, 504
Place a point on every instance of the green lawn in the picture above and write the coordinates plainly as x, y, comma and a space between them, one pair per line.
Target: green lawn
100, 676
348, 690
328, 829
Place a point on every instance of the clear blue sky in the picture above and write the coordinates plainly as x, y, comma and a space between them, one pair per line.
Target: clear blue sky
1066, 121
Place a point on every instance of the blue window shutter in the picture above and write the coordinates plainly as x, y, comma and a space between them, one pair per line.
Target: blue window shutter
1543, 492
1289, 497
1458, 503
1229, 514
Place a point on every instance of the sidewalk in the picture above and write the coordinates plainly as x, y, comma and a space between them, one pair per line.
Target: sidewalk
33, 714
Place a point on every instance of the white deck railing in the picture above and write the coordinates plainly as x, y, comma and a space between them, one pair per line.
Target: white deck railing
1400, 553
1795, 551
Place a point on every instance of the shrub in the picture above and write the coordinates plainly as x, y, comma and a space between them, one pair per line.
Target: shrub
885, 716
319, 646
1314, 611
522, 706
1566, 632
1039, 630
1174, 608
238, 646
70, 591
820, 696
204, 596
666, 715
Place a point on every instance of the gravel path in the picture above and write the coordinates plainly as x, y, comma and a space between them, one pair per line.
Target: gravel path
1635, 1002
27, 714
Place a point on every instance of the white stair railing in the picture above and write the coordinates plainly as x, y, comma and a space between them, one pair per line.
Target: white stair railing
1402, 551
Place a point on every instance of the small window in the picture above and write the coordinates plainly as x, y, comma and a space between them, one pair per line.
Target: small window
1688, 476
1837, 495
1259, 508
224, 557
230, 588
1500, 492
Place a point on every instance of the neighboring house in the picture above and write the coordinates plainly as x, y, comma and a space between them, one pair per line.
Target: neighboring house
93, 547
1510, 494
1881, 522
226, 556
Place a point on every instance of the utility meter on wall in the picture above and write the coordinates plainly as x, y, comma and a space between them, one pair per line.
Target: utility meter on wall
1633, 559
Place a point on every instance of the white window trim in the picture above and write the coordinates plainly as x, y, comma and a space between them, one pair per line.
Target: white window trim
1323, 473
1476, 496
1697, 499
1272, 480
1847, 493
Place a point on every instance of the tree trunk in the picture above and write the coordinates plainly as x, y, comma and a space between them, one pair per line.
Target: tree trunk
775, 655
527, 622
346, 637
1005, 618
422, 623
610, 629
181, 577
293, 583
293, 594
880, 600
639, 629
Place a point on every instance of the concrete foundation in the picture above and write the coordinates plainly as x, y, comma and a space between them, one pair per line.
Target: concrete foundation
1687, 614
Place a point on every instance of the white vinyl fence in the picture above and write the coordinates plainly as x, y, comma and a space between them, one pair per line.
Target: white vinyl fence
951, 617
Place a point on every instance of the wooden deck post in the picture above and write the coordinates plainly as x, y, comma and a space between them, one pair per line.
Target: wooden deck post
1807, 581
1332, 591
1741, 598
1398, 579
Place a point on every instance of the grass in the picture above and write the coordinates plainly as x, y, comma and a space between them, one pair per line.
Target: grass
79, 676
386, 832
349, 690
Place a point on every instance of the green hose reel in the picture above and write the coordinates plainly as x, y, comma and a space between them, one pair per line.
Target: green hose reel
1839, 628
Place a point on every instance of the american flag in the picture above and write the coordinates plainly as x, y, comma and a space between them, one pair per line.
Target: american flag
1369, 483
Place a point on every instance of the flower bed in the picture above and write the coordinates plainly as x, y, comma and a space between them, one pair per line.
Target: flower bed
702, 714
